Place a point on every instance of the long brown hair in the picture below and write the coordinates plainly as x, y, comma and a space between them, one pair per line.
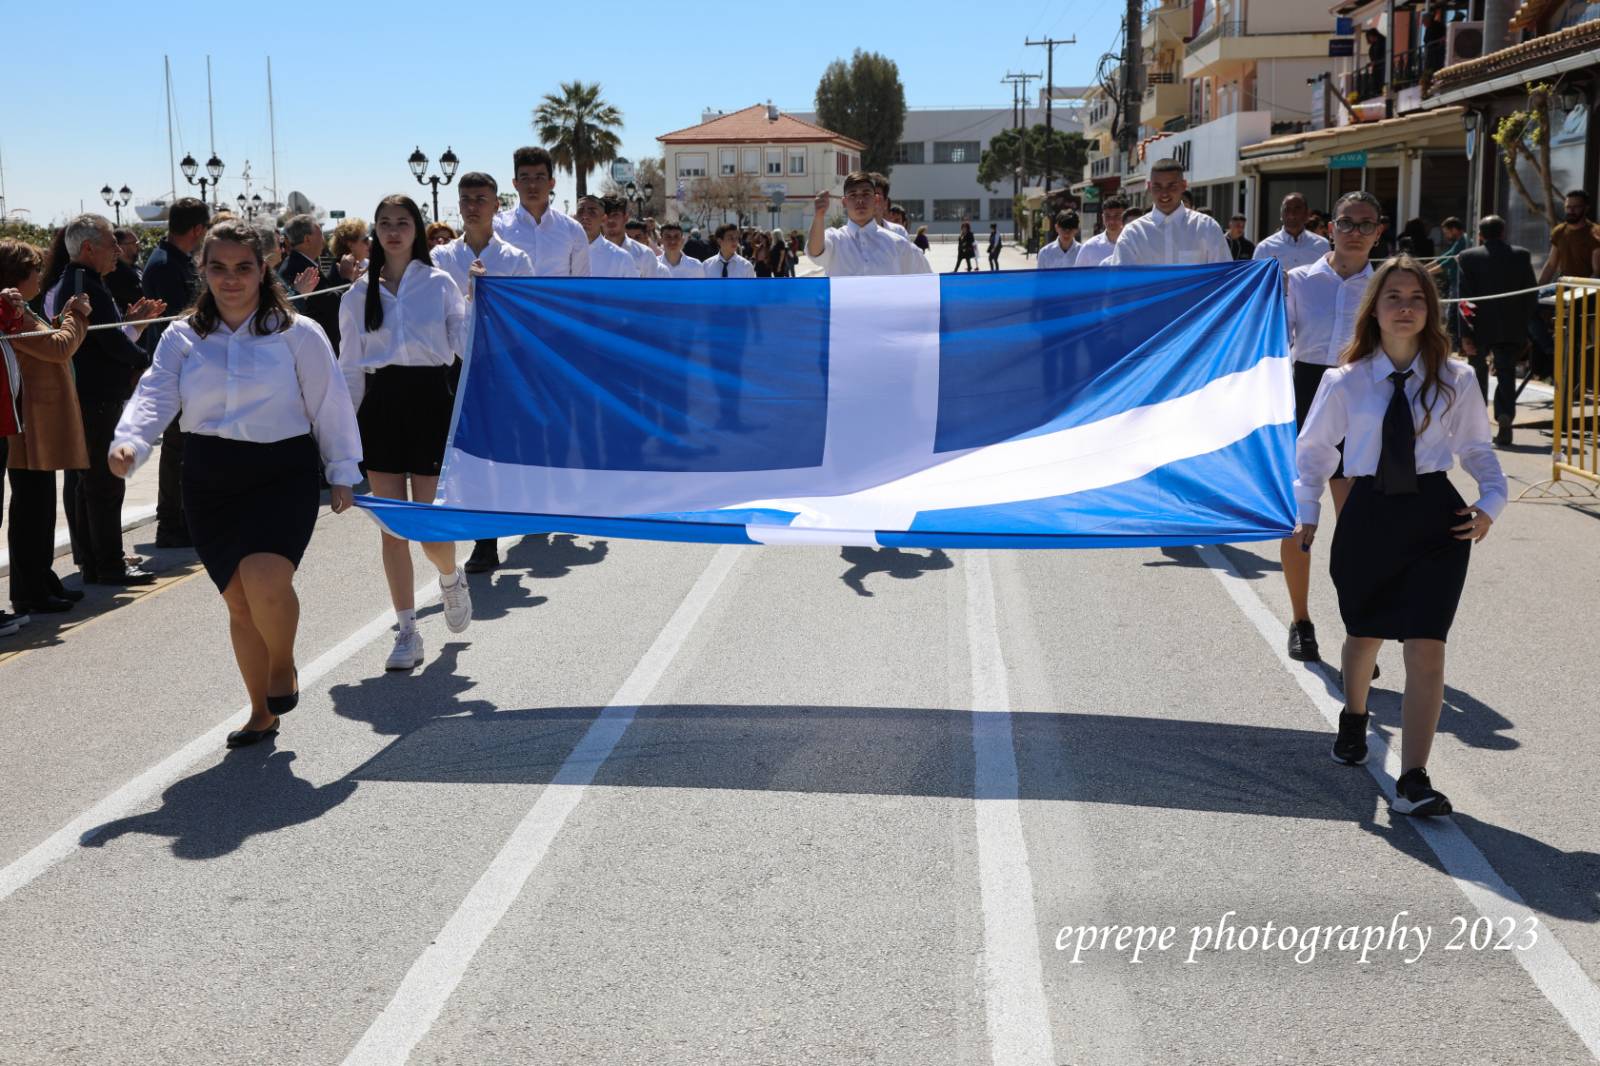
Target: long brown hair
273, 314
1433, 346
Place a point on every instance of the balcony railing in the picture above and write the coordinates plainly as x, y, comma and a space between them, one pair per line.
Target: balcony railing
1230, 28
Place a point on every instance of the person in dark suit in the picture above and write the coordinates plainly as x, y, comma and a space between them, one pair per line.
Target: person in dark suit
123, 281
169, 276
105, 366
1496, 328
304, 237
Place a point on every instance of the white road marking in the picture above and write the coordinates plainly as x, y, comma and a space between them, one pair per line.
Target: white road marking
1556, 973
1013, 980
439, 969
67, 840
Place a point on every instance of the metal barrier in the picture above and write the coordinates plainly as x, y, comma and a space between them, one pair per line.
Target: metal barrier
1575, 431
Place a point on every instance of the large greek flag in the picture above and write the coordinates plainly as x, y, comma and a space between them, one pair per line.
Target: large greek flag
1059, 408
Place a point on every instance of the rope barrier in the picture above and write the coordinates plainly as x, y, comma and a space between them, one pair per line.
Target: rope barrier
169, 318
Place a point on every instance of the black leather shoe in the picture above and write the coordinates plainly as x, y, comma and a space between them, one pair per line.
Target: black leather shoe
75, 595
173, 540
285, 704
48, 605
484, 558
127, 577
243, 738
1303, 643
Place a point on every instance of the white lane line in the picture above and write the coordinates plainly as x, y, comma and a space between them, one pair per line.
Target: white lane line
1013, 979
434, 976
1557, 973
66, 840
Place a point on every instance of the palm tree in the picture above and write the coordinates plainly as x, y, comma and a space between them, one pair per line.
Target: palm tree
578, 128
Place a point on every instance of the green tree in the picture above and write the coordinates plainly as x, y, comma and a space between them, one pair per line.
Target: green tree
1068, 153
579, 129
865, 101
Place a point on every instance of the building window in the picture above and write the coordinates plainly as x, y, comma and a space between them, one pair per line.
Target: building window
797, 160
910, 152
693, 164
955, 210
841, 164
1000, 210
955, 151
750, 160
775, 162
727, 161
916, 211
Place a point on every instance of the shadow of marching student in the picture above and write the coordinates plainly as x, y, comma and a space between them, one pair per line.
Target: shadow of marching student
400, 703
1250, 565
552, 555
891, 561
1475, 723
251, 791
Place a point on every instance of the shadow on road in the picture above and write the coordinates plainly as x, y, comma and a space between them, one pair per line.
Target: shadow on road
1250, 565
892, 561
551, 555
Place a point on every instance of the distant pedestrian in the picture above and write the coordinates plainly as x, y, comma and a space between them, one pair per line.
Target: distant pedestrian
1497, 329
996, 243
1241, 246
1573, 243
966, 247
921, 239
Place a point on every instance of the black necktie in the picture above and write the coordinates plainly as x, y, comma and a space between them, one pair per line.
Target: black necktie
1397, 463
724, 268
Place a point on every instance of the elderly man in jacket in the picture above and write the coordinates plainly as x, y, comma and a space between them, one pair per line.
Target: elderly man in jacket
1496, 328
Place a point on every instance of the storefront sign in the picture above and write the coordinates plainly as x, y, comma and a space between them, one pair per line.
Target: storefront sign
1348, 161
1341, 46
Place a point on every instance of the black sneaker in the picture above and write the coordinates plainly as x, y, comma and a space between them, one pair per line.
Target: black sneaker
484, 558
1415, 795
1350, 746
1303, 642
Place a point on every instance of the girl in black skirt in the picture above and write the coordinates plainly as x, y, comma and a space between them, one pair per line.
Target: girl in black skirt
264, 404
1405, 412
401, 327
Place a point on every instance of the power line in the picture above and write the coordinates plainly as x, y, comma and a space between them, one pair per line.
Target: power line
1049, 45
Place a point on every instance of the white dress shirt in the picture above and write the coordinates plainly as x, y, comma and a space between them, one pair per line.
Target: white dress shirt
500, 260
687, 267
643, 257
894, 227
556, 243
1350, 406
867, 251
244, 387
1054, 257
1181, 238
607, 260
738, 267
1322, 310
1290, 251
424, 324
1096, 250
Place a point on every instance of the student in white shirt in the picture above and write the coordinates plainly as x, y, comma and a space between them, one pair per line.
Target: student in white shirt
633, 243
1171, 234
1064, 250
554, 242
880, 205
1293, 245
606, 260
1097, 249
860, 247
728, 263
1406, 412
401, 328
265, 410
1323, 299
673, 262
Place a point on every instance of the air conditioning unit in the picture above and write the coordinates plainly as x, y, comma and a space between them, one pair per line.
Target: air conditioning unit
1464, 42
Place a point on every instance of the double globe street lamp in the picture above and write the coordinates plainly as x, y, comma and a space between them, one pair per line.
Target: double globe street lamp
638, 197
250, 208
212, 175
419, 168
117, 200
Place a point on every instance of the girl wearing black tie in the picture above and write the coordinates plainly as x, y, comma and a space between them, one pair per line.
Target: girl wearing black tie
1406, 412
264, 406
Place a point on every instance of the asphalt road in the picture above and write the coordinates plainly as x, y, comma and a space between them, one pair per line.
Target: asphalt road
677, 804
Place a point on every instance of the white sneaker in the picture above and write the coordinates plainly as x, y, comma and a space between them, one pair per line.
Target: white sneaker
407, 654
457, 603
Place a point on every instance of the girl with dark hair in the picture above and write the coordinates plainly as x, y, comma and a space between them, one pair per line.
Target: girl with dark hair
1406, 412
262, 404
966, 247
48, 302
401, 327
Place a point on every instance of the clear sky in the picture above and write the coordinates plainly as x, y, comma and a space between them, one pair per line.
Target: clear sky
358, 85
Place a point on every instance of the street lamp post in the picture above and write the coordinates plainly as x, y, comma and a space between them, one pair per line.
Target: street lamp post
250, 208
419, 168
638, 198
211, 177
117, 200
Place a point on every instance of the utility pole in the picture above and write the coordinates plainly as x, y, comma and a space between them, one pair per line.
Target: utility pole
1019, 122
1049, 45
1130, 79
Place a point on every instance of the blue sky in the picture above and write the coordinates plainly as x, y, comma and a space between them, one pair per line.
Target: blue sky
359, 85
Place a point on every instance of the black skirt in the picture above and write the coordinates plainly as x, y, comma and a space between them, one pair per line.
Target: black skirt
1307, 379
242, 498
1398, 568
405, 419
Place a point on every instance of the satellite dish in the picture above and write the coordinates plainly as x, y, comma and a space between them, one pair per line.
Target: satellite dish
299, 203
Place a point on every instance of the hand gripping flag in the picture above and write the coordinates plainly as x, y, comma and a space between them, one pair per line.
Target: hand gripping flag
1053, 409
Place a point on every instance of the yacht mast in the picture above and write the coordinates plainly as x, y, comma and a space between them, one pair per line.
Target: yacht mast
272, 130
172, 167
210, 118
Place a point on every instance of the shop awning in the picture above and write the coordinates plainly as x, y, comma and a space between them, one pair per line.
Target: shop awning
1439, 128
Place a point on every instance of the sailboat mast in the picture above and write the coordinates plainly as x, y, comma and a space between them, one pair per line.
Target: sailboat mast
172, 167
211, 122
272, 130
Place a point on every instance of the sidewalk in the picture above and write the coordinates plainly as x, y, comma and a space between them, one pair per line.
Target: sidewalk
138, 508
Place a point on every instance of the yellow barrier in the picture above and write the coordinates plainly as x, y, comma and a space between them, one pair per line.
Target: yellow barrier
1575, 445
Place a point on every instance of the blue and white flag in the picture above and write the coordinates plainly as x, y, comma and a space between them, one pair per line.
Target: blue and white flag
1051, 408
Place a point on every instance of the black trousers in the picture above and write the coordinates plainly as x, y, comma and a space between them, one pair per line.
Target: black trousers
31, 535
100, 492
1505, 372
994, 259
169, 491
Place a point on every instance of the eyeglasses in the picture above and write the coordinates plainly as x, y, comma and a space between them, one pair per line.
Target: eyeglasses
1350, 225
